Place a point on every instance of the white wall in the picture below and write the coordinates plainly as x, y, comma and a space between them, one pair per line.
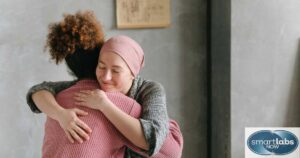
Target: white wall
175, 57
264, 46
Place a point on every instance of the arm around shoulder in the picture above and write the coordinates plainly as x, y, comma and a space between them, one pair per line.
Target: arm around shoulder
52, 87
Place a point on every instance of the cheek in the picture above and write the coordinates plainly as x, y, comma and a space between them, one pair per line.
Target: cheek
118, 81
121, 81
98, 73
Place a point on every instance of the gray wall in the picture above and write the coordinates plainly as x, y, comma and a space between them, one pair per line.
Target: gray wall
175, 56
265, 40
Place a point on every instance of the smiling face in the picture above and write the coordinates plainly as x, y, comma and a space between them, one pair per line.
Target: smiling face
113, 74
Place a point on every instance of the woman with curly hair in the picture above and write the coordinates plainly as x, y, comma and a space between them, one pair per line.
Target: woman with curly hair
146, 135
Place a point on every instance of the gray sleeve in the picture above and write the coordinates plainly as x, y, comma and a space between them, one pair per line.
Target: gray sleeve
52, 87
154, 120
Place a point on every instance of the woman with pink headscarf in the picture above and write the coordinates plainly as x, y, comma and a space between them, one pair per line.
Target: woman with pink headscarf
120, 61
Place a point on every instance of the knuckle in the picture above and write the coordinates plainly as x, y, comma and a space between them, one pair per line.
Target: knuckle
71, 124
73, 120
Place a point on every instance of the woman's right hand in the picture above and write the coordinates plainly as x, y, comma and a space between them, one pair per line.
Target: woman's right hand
74, 128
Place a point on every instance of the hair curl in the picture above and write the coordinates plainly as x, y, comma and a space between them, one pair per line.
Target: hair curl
81, 31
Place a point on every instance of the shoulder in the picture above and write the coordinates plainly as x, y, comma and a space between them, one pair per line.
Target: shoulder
152, 86
53, 87
141, 84
58, 83
149, 88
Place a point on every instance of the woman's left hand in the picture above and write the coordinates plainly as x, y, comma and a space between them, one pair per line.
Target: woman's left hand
94, 99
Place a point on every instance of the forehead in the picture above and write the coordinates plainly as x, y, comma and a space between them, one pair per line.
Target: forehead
109, 56
111, 59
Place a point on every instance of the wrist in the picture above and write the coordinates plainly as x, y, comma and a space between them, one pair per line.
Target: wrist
57, 113
106, 107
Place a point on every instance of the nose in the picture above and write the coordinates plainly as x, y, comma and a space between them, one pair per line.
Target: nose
106, 75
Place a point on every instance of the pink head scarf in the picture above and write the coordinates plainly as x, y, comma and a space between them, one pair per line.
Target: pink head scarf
130, 51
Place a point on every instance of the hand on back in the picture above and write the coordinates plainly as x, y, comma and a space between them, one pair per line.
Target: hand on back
94, 99
75, 129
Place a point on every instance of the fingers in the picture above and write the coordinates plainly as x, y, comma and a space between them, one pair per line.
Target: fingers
78, 101
77, 133
69, 136
80, 97
87, 92
81, 103
79, 123
84, 126
81, 133
77, 129
75, 136
83, 93
80, 112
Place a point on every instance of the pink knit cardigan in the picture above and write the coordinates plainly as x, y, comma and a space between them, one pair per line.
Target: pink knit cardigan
105, 140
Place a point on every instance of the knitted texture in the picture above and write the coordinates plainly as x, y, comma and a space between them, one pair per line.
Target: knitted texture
149, 94
173, 144
155, 121
105, 140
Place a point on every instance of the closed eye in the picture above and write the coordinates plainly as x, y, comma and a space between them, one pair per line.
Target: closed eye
101, 67
116, 71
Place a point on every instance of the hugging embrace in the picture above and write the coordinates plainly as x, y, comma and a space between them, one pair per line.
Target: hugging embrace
108, 110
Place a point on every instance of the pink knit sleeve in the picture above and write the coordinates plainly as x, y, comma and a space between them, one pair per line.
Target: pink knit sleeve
173, 144
171, 147
125, 103
133, 109
135, 112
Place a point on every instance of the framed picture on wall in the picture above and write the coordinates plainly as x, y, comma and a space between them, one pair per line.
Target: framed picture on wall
142, 13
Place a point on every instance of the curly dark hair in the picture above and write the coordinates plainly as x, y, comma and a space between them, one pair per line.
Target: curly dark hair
77, 39
80, 31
